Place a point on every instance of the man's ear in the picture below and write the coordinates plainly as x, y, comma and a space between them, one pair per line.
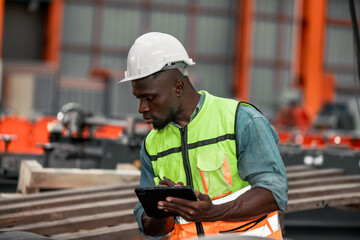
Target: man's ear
179, 87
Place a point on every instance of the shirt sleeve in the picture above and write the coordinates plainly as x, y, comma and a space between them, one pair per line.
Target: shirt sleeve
146, 180
259, 159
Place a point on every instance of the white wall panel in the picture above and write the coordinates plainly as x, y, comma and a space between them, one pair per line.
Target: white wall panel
264, 39
169, 22
217, 4
75, 65
213, 35
212, 78
120, 26
262, 90
78, 23
339, 46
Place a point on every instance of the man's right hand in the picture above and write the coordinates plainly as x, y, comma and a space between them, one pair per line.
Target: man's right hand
157, 226
169, 182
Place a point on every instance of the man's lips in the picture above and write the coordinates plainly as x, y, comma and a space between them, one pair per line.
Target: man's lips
148, 120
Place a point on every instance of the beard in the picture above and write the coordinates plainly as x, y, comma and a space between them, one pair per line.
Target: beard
159, 126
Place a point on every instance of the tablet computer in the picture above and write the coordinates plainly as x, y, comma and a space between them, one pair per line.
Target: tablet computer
150, 196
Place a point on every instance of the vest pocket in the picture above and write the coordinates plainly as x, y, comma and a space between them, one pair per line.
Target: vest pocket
215, 173
170, 167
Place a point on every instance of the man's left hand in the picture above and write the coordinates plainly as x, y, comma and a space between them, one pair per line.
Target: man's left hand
202, 210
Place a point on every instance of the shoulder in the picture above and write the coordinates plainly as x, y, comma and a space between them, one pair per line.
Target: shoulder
219, 104
248, 111
216, 100
224, 100
251, 122
150, 137
248, 116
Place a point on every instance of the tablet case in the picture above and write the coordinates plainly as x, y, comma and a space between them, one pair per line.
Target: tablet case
150, 196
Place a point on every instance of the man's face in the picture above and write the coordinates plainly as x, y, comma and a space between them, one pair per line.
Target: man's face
158, 101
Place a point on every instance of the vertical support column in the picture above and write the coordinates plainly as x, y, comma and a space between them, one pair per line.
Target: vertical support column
243, 49
311, 56
53, 31
53, 45
2, 6
97, 33
191, 45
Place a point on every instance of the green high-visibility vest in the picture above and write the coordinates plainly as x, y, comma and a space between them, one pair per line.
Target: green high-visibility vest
203, 154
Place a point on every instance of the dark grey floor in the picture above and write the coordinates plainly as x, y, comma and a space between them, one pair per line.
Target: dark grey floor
322, 234
7, 185
318, 224
321, 224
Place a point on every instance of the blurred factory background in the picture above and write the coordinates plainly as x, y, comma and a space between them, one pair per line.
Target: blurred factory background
294, 59
268, 52
61, 61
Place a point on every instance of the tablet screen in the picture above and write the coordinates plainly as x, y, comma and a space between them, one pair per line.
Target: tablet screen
150, 196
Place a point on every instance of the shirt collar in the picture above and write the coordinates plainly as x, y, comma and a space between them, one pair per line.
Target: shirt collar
195, 112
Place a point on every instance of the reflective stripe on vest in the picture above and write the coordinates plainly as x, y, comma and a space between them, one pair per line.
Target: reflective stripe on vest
264, 226
228, 198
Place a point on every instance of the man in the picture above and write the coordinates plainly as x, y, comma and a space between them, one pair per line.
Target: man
226, 151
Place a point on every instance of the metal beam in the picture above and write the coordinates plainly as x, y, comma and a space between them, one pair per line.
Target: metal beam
53, 31
311, 56
243, 49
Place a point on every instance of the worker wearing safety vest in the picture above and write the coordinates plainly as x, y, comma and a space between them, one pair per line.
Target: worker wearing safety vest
224, 149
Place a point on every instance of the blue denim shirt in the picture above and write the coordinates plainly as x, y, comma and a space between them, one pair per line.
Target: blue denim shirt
259, 161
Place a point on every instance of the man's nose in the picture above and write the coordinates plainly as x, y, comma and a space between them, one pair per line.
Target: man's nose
143, 106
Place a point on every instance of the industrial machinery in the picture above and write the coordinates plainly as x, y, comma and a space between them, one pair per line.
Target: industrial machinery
334, 116
79, 140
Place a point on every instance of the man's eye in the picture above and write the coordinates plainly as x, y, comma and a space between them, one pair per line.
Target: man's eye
150, 98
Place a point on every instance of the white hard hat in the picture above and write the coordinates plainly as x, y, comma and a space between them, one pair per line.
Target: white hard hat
153, 51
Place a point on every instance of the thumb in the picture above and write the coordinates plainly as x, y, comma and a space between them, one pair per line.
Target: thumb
179, 184
201, 196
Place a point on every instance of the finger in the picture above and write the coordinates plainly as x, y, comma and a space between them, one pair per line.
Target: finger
172, 201
179, 184
180, 201
190, 210
167, 182
201, 196
182, 207
186, 212
197, 193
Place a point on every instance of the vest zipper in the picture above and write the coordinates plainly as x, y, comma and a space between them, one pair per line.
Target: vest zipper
187, 168
185, 156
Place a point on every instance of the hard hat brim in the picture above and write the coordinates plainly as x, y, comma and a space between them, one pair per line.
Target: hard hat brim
189, 62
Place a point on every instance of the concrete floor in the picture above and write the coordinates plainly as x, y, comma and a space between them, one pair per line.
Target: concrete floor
321, 224
318, 224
